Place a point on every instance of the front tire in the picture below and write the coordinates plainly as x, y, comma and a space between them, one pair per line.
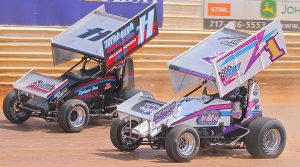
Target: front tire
120, 127
266, 139
11, 109
73, 116
182, 143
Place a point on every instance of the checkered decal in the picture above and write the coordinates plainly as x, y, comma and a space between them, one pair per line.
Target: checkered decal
225, 78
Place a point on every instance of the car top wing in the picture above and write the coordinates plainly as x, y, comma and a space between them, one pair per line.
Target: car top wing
195, 65
105, 36
249, 57
85, 36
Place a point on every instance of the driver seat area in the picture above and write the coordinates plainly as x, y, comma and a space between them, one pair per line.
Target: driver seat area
75, 77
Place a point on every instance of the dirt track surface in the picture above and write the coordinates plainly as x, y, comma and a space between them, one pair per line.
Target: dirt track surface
39, 143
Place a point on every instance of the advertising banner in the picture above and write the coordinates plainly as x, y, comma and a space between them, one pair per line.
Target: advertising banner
132, 36
252, 14
249, 57
67, 12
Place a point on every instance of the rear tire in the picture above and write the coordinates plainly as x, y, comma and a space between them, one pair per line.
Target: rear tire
73, 116
182, 143
117, 138
266, 139
11, 109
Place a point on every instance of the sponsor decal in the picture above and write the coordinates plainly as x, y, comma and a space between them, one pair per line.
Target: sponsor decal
250, 106
268, 9
164, 113
114, 41
90, 90
208, 117
219, 9
89, 95
236, 114
291, 10
95, 83
229, 74
122, 43
231, 41
58, 95
87, 90
41, 87
107, 86
236, 111
255, 93
197, 113
130, 45
146, 107
116, 54
209, 59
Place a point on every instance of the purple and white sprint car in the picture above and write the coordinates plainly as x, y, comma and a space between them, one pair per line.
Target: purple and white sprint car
227, 113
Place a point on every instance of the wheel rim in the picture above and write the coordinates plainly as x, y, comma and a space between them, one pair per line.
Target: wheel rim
271, 140
19, 113
77, 116
186, 144
126, 131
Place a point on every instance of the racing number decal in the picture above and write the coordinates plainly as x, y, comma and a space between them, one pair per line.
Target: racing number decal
273, 48
256, 53
97, 33
146, 26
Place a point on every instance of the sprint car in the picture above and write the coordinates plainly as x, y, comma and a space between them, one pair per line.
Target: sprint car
91, 88
227, 113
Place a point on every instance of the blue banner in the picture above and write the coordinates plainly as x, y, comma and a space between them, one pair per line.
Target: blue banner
67, 12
